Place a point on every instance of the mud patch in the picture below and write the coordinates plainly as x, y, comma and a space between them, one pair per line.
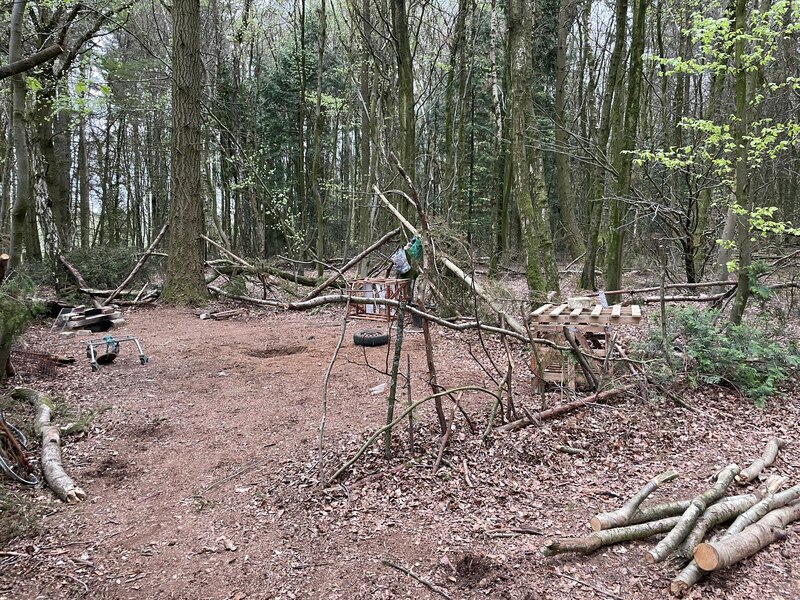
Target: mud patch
279, 351
111, 469
472, 568
154, 429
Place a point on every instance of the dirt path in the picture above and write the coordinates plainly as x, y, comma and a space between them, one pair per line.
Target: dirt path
201, 478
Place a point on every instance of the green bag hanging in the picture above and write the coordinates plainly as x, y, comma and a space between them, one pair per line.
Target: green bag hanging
414, 251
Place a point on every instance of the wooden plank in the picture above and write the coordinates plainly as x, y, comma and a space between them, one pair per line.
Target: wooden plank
574, 314
636, 311
615, 311
540, 310
596, 311
558, 310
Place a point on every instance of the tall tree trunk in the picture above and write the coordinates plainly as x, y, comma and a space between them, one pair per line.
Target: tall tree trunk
23, 196
566, 200
624, 164
612, 91
184, 282
454, 97
317, 143
83, 184
405, 97
528, 185
53, 140
742, 194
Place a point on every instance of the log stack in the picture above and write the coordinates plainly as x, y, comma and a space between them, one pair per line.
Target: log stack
92, 319
759, 519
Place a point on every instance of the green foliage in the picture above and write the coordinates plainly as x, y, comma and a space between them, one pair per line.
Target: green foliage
749, 357
16, 310
237, 285
107, 266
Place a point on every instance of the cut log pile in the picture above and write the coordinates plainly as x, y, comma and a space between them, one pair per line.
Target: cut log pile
93, 319
759, 519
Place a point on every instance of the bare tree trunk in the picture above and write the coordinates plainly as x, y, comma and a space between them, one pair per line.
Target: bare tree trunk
23, 196
566, 199
184, 282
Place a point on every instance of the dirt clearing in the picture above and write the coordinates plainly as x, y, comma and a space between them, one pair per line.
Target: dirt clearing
201, 475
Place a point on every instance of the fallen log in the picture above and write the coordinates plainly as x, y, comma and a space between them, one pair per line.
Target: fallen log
769, 456
659, 511
721, 512
669, 286
54, 473
565, 408
698, 506
607, 537
711, 556
261, 270
622, 516
139, 264
692, 573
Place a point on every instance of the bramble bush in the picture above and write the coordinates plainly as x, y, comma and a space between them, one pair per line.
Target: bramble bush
707, 349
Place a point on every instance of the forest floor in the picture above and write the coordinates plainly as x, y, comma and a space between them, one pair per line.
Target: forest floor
201, 471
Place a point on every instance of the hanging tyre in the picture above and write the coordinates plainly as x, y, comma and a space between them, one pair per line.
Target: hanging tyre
370, 337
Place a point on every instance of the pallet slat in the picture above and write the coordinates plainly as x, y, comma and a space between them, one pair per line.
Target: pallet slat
541, 309
597, 310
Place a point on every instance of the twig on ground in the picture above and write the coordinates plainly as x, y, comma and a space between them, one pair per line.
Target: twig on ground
600, 591
416, 577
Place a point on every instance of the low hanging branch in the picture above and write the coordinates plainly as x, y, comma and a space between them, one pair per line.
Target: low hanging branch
78, 278
666, 546
621, 517
769, 456
351, 263
473, 285
54, 474
607, 537
565, 408
343, 298
138, 266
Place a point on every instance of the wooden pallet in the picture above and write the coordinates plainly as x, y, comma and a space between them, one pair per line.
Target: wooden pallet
561, 314
592, 325
377, 287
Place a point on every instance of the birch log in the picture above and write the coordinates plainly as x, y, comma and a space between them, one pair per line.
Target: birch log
54, 473
769, 456
699, 504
